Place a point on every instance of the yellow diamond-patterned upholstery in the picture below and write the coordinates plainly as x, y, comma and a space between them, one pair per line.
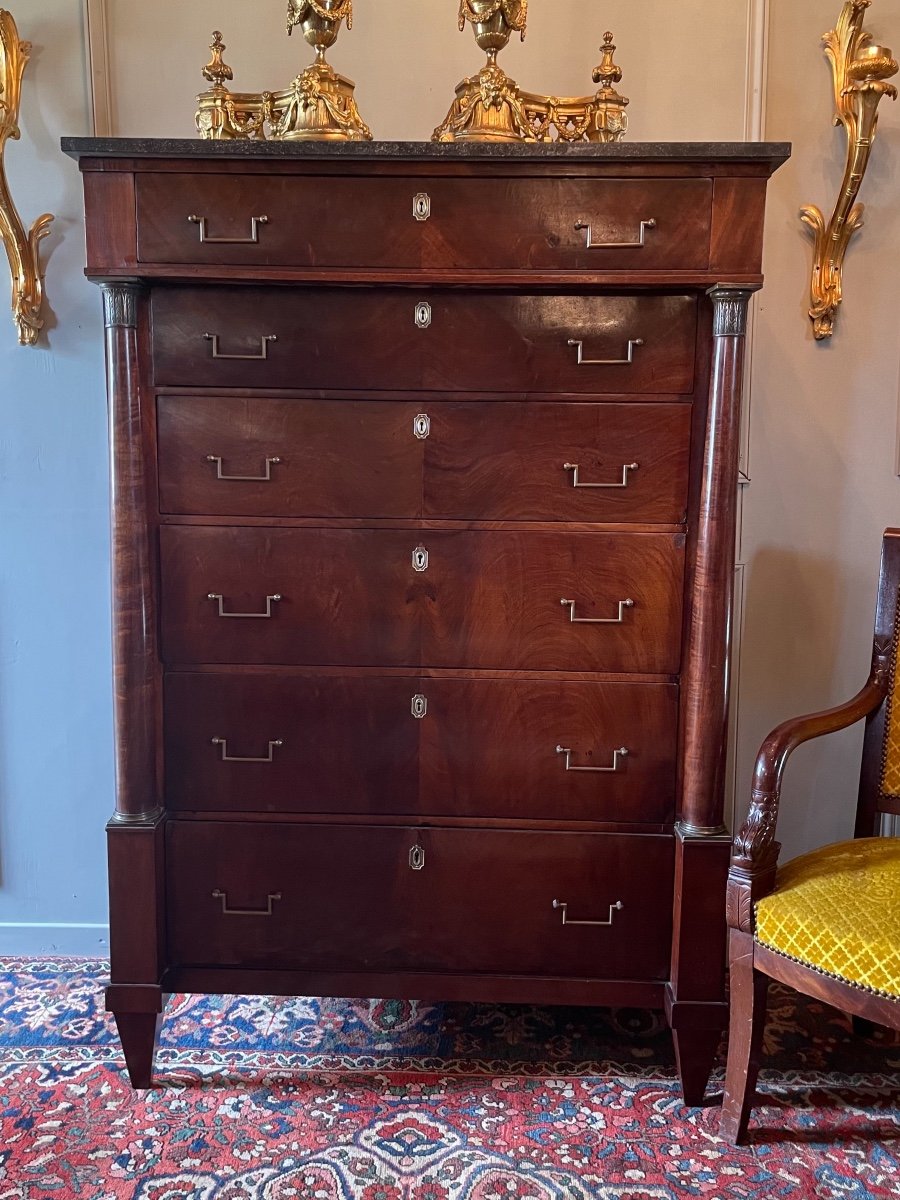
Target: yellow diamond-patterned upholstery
890, 770
838, 910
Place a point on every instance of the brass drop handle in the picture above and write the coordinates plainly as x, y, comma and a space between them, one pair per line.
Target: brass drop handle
246, 912
606, 362
253, 239
233, 758
270, 600
592, 245
567, 920
619, 620
576, 481
622, 752
264, 341
266, 478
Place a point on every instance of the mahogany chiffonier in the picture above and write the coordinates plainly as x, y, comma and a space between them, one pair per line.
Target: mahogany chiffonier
424, 478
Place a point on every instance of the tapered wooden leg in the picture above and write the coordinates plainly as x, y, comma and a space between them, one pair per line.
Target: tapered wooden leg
695, 1054
138, 1033
748, 1018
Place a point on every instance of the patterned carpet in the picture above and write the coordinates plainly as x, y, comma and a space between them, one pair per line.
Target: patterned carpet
300, 1099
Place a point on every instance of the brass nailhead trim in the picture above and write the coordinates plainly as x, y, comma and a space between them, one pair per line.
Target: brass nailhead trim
862, 987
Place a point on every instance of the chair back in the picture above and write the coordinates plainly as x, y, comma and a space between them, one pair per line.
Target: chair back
879, 785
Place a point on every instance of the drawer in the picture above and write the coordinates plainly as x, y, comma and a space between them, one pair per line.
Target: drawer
272, 221
549, 750
374, 898
491, 461
259, 742
369, 340
441, 747
558, 462
293, 458
362, 597
407, 223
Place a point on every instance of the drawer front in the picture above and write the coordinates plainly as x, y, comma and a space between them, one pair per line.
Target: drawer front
575, 344
270, 743
347, 597
558, 462
497, 461
515, 749
513, 224
499, 601
550, 751
569, 224
304, 458
543, 601
286, 338
374, 898
312, 222
445, 341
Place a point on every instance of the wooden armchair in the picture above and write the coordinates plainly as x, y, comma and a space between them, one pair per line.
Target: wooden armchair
827, 923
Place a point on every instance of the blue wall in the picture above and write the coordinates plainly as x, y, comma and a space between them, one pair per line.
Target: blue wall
56, 766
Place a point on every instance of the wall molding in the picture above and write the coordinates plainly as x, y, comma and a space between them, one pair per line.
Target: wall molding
96, 41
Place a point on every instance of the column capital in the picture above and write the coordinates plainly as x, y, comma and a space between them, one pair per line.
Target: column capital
730, 304
120, 304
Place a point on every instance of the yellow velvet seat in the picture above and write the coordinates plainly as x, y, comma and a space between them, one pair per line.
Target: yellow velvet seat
837, 910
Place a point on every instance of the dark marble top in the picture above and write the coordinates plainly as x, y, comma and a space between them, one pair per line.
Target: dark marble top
772, 152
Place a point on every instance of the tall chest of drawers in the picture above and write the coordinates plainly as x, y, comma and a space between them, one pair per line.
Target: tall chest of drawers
425, 464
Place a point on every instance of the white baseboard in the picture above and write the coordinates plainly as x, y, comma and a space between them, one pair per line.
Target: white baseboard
37, 939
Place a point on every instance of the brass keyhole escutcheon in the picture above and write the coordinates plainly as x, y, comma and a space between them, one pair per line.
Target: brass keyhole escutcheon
417, 858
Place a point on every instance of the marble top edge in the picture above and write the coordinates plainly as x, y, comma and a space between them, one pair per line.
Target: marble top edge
197, 148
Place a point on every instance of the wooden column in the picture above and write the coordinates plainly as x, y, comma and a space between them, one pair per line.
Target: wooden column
706, 676
136, 831
135, 658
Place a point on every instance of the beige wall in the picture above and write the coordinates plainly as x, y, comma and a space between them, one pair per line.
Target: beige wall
822, 445
823, 442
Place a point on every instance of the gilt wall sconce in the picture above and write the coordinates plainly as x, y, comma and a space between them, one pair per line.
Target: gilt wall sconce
861, 69
21, 247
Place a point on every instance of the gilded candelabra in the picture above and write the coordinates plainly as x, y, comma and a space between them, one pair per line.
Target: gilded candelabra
490, 107
22, 248
318, 105
861, 70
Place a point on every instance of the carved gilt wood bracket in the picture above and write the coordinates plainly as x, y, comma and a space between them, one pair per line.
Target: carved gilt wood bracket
860, 69
21, 247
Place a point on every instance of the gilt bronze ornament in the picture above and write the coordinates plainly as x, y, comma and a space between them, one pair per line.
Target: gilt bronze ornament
490, 107
21, 245
318, 105
861, 70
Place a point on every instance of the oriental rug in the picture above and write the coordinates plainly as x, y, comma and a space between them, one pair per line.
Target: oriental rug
299, 1099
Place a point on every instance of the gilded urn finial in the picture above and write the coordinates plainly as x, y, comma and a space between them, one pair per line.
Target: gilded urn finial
217, 71
490, 107
318, 105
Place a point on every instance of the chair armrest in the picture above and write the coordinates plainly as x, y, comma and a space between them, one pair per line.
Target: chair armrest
755, 850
